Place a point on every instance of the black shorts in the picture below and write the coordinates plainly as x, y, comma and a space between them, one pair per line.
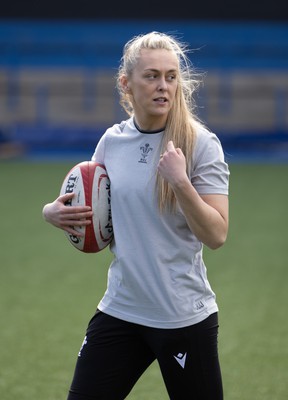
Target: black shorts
115, 353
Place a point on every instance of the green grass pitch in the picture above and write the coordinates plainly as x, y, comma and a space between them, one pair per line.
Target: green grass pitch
49, 290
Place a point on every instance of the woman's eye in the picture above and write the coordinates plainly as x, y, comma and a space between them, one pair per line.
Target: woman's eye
171, 77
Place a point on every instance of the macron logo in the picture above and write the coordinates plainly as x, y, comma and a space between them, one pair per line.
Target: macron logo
181, 359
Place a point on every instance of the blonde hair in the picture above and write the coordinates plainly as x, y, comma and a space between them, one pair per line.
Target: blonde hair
181, 121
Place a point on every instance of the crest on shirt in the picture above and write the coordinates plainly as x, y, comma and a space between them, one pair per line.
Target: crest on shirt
145, 150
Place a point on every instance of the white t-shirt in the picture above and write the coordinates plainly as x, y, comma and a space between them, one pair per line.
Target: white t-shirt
158, 277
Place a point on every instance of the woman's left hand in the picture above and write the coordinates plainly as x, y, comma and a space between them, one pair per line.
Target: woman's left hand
172, 164
206, 215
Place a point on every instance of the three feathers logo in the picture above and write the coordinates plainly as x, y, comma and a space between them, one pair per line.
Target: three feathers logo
145, 150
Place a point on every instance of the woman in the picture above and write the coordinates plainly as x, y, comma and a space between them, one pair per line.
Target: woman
169, 196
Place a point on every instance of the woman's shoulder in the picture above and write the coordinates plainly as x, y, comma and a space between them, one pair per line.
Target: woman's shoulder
119, 128
207, 143
203, 133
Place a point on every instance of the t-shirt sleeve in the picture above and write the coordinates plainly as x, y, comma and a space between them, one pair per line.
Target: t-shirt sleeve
210, 172
99, 152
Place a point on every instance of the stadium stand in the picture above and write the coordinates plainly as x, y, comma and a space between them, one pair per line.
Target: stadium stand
58, 91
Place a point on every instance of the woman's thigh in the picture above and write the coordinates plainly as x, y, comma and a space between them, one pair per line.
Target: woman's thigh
112, 358
189, 362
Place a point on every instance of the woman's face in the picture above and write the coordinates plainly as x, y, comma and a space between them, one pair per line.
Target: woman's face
152, 87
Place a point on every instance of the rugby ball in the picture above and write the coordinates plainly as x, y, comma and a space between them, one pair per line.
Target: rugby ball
91, 185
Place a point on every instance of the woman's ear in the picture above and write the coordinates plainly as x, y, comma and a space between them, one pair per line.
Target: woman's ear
125, 84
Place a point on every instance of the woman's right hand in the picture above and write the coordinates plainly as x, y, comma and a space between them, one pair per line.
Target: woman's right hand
67, 217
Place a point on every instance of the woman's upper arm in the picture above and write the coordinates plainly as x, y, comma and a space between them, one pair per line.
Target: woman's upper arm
220, 203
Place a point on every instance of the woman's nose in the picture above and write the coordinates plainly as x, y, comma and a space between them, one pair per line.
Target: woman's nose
162, 84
